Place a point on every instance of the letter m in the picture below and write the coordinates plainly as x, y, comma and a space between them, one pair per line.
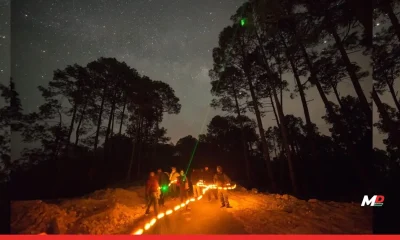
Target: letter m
366, 201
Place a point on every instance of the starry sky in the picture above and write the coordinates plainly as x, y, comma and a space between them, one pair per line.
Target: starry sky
4, 42
167, 40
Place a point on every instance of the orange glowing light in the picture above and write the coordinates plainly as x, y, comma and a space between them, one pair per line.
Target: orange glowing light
138, 232
147, 226
153, 221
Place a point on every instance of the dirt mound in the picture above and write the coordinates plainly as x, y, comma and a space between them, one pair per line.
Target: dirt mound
102, 212
110, 221
34, 217
285, 214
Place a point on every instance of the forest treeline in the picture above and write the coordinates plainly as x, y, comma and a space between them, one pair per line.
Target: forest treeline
101, 123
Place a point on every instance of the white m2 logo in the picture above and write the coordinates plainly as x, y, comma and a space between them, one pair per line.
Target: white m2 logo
375, 201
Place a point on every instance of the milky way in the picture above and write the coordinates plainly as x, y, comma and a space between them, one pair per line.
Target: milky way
167, 40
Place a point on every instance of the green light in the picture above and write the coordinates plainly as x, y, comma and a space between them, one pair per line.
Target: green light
242, 21
164, 188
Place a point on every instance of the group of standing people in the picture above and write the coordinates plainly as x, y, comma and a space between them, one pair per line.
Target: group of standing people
176, 184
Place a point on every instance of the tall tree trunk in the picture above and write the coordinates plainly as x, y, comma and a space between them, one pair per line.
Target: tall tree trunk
134, 143
346, 139
285, 142
281, 90
321, 92
57, 140
71, 128
250, 148
123, 115
57, 146
282, 120
309, 126
141, 138
342, 107
336, 92
393, 93
110, 119
265, 147
80, 123
351, 71
297, 149
362, 170
294, 150
280, 146
96, 139
239, 117
386, 119
262, 134
280, 80
274, 143
274, 110
112, 124
301, 90
387, 8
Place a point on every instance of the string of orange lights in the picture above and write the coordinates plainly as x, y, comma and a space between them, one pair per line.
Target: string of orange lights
153, 221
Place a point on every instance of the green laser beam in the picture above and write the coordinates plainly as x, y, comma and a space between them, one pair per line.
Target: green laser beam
242, 23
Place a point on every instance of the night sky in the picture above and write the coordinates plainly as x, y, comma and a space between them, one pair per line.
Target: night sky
4, 43
167, 40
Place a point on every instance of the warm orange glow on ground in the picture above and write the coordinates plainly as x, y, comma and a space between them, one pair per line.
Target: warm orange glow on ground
177, 207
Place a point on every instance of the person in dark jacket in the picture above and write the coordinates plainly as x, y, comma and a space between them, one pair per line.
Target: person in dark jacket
163, 181
208, 180
222, 180
183, 185
195, 179
152, 193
